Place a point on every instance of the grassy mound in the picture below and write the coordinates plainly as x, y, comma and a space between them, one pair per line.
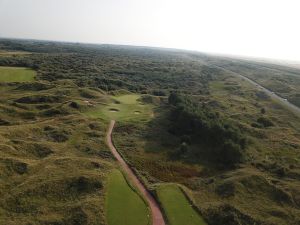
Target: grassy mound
89, 93
35, 149
12, 166
150, 99
47, 177
35, 99
34, 86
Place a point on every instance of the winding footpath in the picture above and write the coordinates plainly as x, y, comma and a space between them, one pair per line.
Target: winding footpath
157, 217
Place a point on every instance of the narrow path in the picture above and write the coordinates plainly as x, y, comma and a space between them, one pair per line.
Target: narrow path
157, 217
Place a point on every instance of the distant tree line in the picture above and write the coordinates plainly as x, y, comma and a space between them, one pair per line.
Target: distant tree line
108, 67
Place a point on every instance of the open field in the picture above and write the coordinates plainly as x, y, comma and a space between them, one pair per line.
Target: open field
177, 208
16, 74
123, 205
123, 108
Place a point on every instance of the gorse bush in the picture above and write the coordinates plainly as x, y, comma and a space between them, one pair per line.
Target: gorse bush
266, 122
200, 125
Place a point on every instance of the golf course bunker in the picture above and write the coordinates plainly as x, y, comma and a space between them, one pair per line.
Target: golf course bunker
113, 110
137, 112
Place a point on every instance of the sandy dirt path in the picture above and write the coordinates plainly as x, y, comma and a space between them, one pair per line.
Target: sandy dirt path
157, 217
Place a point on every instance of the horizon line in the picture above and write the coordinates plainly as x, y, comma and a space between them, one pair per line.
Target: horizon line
230, 55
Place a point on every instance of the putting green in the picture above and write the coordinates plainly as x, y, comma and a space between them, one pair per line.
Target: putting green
177, 208
123, 205
123, 108
16, 74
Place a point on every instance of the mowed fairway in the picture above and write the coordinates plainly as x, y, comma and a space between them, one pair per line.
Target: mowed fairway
16, 74
123, 205
123, 108
177, 208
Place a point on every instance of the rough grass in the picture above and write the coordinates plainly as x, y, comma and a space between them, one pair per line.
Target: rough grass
176, 207
49, 182
272, 155
53, 164
52, 169
123, 205
123, 108
16, 74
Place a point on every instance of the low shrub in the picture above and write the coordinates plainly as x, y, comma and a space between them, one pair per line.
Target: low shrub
265, 122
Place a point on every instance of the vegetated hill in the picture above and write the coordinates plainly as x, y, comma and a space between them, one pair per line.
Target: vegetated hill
53, 160
235, 150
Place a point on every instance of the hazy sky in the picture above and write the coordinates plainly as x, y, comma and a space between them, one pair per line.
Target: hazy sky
264, 28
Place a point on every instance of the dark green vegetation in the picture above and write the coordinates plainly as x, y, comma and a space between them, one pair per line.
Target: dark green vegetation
123, 205
236, 150
199, 124
177, 207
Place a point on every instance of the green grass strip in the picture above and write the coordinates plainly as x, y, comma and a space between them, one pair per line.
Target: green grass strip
176, 206
16, 74
123, 205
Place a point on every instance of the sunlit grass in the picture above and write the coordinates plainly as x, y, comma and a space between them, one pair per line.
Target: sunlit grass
16, 74
177, 208
123, 108
123, 205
